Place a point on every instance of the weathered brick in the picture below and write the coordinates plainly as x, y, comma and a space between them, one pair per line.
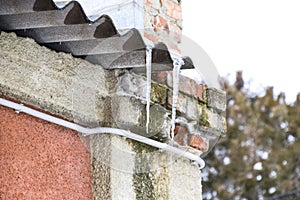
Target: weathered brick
151, 37
189, 107
156, 4
159, 17
216, 99
174, 14
160, 23
170, 79
215, 120
188, 86
176, 129
149, 13
175, 32
193, 109
160, 77
148, 2
181, 135
174, 47
201, 93
173, 10
181, 102
198, 142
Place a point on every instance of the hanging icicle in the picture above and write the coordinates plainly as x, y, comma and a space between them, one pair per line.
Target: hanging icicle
148, 92
177, 63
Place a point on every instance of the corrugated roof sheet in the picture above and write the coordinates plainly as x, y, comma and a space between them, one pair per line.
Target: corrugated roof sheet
69, 30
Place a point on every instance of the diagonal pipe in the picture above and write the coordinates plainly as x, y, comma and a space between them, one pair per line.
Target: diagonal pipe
100, 130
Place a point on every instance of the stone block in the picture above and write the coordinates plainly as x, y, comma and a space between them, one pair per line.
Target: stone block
216, 99
194, 109
136, 86
57, 83
129, 113
158, 94
215, 121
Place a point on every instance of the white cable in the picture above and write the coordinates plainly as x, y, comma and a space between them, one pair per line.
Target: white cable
90, 131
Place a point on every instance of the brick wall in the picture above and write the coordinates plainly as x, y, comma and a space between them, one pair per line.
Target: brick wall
163, 22
198, 104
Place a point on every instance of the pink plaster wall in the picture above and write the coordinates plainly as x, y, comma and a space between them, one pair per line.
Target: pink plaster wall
40, 160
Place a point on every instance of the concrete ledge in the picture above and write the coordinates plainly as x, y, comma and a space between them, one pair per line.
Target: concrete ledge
57, 83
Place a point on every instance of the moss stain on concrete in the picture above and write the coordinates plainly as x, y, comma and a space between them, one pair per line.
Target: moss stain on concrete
203, 119
142, 181
158, 93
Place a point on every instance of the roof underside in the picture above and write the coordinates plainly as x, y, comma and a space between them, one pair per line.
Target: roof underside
70, 30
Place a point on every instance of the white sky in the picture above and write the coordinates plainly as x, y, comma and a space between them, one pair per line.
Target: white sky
260, 37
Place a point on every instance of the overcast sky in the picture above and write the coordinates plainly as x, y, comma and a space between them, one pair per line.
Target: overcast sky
260, 37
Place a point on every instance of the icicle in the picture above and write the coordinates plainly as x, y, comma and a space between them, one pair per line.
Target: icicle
148, 92
177, 63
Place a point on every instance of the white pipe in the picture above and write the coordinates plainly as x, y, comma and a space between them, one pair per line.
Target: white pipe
90, 131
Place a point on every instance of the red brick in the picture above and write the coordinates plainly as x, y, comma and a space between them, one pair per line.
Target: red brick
175, 32
190, 87
174, 47
201, 92
148, 2
184, 138
160, 77
160, 23
173, 10
187, 86
177, 127
181, 135
175, 14
181, 102
173, 6
198, 142
151, 37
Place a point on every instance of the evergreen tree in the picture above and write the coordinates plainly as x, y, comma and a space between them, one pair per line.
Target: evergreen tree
259, 157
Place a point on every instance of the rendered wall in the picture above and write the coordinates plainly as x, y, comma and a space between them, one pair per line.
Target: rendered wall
39, 160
